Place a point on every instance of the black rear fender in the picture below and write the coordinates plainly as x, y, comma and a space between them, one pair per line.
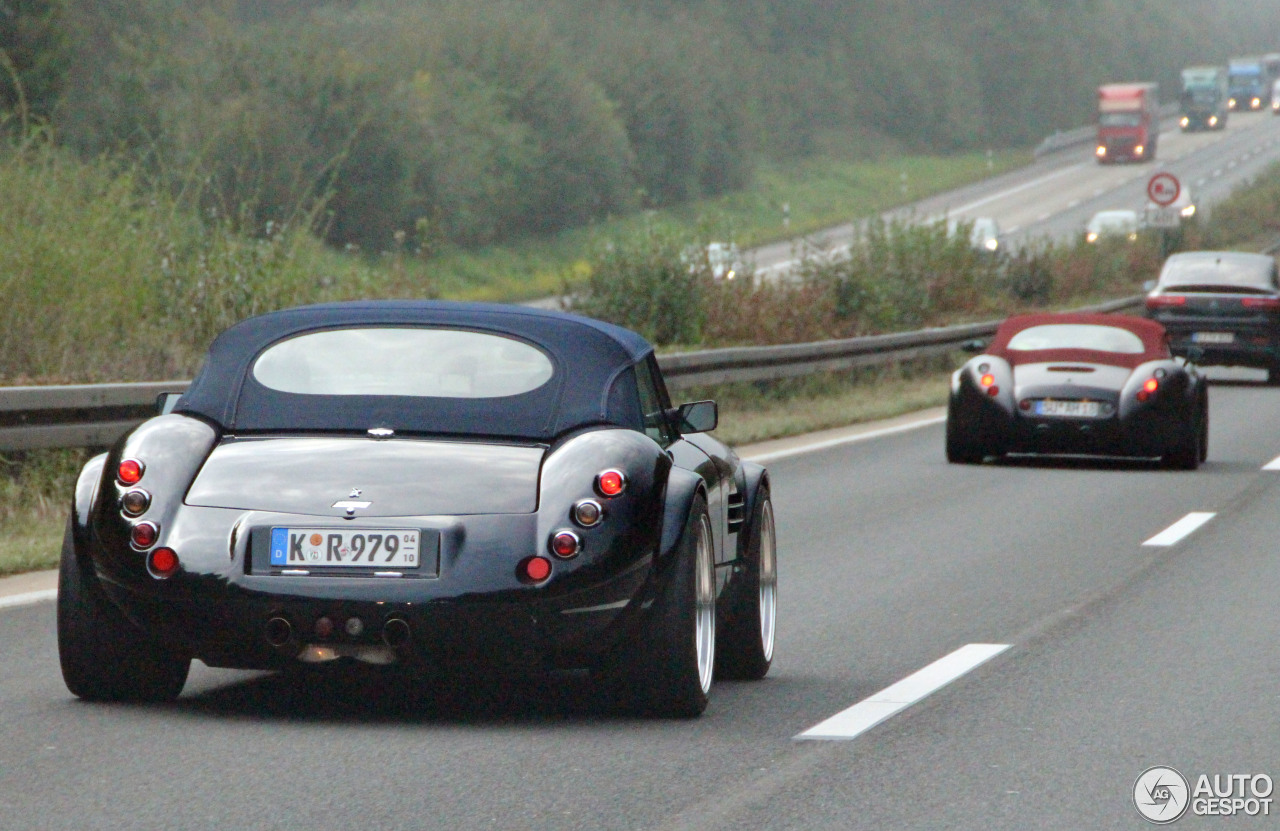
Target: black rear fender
171, 449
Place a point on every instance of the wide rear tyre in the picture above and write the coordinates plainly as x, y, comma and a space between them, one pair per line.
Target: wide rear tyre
744, 650
1187, 454
104, 657
960, 449
668, 670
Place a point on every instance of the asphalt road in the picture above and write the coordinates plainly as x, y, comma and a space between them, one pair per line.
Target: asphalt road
1121, 656
1054, 197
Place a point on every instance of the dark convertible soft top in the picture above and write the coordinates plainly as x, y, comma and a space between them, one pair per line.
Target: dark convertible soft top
590, 384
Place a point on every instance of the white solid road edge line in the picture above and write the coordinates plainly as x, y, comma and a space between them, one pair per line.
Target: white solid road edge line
1274, 464
857, 437
1181, 529
864, 715
28, 599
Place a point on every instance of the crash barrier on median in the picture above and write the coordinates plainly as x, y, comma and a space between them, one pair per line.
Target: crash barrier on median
95, 415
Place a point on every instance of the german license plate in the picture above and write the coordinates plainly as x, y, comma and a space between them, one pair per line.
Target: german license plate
1213, 337
325, 547
1069, 409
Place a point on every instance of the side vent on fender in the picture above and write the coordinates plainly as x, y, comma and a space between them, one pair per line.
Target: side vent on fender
737, 511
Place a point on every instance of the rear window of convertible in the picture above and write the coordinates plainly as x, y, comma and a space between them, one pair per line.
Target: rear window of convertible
1077, 336
428, 363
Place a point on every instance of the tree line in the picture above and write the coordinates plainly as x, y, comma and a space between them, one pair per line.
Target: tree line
424, 123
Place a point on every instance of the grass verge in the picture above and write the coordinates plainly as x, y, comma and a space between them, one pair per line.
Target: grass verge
35, 492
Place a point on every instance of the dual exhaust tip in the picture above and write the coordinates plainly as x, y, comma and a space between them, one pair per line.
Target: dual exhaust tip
279, 631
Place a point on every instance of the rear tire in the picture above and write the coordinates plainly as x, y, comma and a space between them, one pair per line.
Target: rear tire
744, 650
104, 657
1187, 454
668, 670
960, 450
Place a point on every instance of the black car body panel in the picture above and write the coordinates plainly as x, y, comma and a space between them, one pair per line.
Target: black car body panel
1221, 307
221, 477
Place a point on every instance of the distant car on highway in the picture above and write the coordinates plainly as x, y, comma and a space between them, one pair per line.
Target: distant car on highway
1113, 224
1221, 307
984, 233
1078, 384
722, 260
439, 486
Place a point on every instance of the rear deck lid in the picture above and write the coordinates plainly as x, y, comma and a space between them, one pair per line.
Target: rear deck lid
399, 477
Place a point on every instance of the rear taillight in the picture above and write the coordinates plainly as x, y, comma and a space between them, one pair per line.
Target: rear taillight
1261, 302
588, 513
611, 483
129, 472
534, 569
987, 380
163, 562
565, 544
1157, 301
135, 502
144, 535
1149, 388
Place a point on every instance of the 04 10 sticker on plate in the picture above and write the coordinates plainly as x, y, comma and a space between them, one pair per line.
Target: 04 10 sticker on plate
366, 548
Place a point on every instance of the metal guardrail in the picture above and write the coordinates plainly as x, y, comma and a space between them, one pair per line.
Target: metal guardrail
95, 415
763, 363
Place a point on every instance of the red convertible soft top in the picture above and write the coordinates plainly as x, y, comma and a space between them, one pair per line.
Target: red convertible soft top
1155, 341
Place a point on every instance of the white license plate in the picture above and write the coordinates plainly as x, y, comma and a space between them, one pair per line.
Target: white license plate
330, 547
1213, 337
1070, 409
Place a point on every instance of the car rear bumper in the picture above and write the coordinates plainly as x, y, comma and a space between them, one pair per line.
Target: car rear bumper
229, 626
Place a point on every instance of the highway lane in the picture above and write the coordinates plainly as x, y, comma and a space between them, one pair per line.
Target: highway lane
891, 560
1052, 198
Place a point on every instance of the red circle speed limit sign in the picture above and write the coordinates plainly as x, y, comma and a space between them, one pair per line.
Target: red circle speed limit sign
1163, 189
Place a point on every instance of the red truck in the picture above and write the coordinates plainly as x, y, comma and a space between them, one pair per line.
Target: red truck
1128, 122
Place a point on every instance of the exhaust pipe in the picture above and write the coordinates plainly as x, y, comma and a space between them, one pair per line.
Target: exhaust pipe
279, 631
396, 632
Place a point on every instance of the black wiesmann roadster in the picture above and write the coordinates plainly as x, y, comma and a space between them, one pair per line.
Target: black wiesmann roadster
433, 485
1092, 384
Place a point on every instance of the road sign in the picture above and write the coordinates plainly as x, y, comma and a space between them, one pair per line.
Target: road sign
1164, 188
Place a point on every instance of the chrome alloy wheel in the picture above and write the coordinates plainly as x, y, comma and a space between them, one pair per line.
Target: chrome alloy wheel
705, 605
768, 581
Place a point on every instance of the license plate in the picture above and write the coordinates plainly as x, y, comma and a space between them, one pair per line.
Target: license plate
1070, 409
329, 547
1213, 337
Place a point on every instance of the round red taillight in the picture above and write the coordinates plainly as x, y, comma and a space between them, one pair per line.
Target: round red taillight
536, 569
1024, 404
993, 391
129, 472
144, 534
987, 380
324, 627
1151, 385
163, 562
566, 544
611, 483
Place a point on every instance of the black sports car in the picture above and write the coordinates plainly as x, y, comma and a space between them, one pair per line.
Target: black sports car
429, 484
1089, 384
1221, 307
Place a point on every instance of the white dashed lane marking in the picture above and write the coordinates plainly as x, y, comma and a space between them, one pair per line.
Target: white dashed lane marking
861, 717
1181, 529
